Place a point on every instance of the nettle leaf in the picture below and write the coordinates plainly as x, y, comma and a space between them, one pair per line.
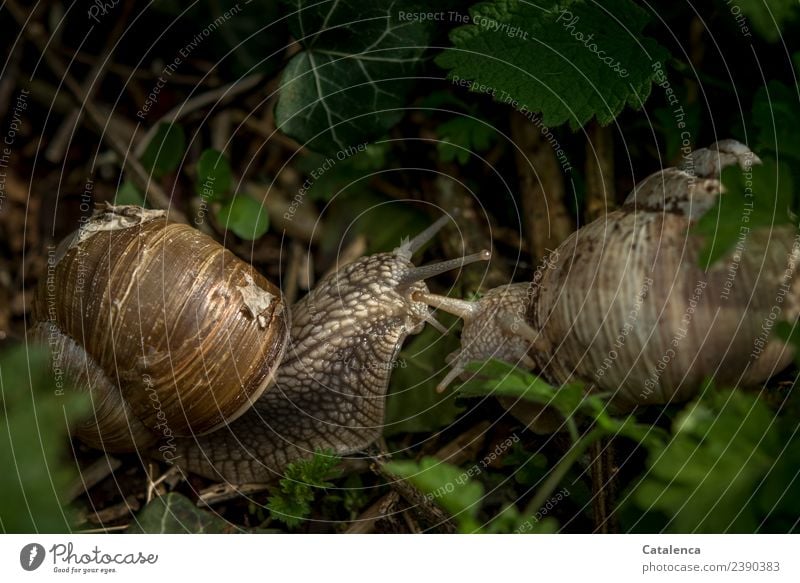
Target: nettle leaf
352, 77
572, 61
760, 198
449, 486
165, 151
214, 175
775, 116
175, 514
463, 135
245, 216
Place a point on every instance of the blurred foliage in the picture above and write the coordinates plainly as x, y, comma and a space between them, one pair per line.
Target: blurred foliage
730, 466
759, 198
34, 451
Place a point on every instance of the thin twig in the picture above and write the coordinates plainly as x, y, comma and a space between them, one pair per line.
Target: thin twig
546, 219
155, 194
600, 193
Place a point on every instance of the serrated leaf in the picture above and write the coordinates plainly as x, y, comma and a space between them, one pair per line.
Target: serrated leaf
760, 198
165, 151
245, 216
352, 77
290, 502
175, 514
214, 176
572, 61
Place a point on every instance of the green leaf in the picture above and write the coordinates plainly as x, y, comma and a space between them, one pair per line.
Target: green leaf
290, 502
129, 194
462, 136
214, 176
775, 115
413, 404
570, 60
245, 217
760, 198
720, 471
502, 379
37, 410
175, 514
447, 485
165, 151
351, 79
768, 17
790, 333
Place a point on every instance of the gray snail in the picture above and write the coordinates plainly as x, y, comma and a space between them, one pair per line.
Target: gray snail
191, 355
624, 306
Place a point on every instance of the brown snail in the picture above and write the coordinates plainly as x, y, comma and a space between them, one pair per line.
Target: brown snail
173, 336
624, 305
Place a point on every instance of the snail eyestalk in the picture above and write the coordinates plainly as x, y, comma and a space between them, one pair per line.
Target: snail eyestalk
427, 271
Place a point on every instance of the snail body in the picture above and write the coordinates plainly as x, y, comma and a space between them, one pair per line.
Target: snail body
624, 306
189, 355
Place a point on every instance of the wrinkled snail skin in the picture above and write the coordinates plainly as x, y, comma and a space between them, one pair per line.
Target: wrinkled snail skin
189, 355
624, 306
331, 387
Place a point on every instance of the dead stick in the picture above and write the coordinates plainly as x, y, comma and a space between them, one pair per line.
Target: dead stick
600, 193
546, 218
155, 194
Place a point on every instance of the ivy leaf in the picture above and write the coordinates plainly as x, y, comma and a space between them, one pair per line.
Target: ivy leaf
245, 217
761, 197
447, 485
214, 176
352, 77
175, 514
572, 61
775, 115
461, 136
165, 151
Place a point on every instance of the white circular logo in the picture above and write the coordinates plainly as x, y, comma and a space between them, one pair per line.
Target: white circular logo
31, 556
